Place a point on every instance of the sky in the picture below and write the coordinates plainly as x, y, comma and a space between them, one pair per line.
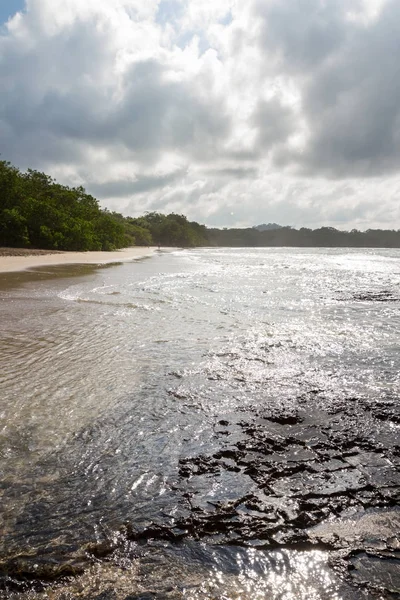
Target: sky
233, 113
8, 8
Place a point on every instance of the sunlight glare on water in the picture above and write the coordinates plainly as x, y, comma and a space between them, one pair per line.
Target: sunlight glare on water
280, 575
136, 398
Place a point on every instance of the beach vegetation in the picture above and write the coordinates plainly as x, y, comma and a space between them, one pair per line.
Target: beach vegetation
38, 212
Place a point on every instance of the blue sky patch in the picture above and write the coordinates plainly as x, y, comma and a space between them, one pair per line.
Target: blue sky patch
8, 8
227, 19
168, 11
184, 40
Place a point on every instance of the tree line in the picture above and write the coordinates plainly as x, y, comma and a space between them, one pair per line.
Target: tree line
38, 212
323, 237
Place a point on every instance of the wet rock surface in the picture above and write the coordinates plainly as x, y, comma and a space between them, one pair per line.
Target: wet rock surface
377, 296
325, 476
322, 476
216, 426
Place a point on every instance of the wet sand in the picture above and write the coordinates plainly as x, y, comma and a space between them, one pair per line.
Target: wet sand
14, 259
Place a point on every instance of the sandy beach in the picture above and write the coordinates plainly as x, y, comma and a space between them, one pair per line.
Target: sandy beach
19, 260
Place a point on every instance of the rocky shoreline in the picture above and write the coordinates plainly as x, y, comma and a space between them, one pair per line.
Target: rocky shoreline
322, 476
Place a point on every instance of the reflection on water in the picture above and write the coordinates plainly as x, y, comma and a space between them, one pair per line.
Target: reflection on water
198, 572
257, 576
111, 377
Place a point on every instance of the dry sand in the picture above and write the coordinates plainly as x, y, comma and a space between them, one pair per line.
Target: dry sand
18, 260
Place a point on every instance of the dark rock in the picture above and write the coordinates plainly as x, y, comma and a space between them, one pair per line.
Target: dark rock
322, 475
378, 572
382, 296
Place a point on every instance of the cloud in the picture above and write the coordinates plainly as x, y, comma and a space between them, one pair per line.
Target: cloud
302, 34
233, 173
347, 76
229, 112
131, 187
274, 123
358, 129
72, 87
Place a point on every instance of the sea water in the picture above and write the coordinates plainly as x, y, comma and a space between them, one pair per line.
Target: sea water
111, 377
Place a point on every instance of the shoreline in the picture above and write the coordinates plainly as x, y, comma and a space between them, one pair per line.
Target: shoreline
9, 264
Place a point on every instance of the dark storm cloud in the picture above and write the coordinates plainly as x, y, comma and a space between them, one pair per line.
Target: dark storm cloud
274, 123
51, 93
154, 114
353, 105
233, 173
243, 155
349, 77
158, 114
123, 188
34, 148
302, 33
64, 89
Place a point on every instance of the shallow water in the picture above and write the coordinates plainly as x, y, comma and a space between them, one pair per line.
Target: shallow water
112, 377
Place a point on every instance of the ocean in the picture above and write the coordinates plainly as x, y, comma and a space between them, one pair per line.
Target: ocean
202, 424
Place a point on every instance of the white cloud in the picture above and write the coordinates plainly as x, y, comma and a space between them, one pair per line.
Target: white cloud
229, 112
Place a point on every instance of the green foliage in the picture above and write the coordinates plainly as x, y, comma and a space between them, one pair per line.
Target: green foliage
13, 227
35, 211
324, 237
170, 230
139, 235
